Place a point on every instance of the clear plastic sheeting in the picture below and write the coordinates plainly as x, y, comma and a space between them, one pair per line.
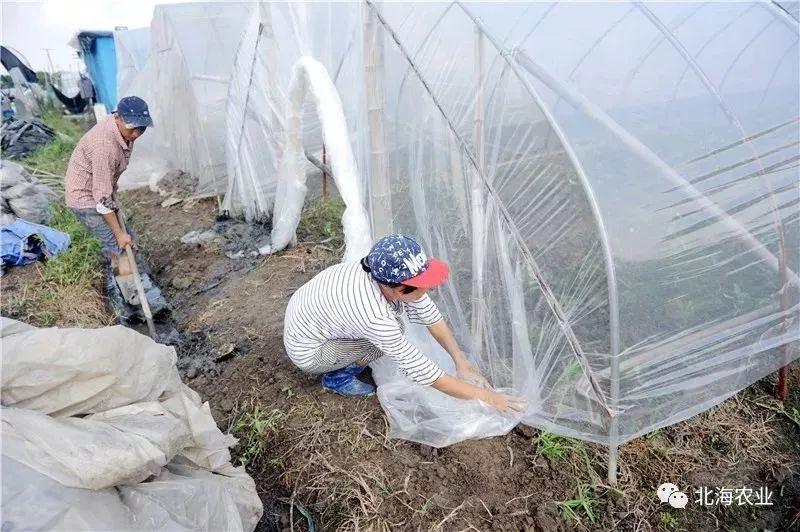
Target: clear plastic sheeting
615, 186
99, 433
133, 50
310, 80
279, 35
416, 412
254, 123
185, 82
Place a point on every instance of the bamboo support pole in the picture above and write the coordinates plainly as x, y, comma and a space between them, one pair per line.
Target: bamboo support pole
378, 176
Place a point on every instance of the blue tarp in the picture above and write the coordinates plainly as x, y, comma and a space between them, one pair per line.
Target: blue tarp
100, 56
17, 248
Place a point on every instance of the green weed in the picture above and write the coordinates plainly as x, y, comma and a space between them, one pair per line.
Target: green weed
384, 488
556, 448
668, 520
253, 428
321, 222
652, 436
583, 504
551, 446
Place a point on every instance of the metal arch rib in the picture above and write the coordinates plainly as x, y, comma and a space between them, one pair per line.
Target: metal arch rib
593, 203
550, 299
705, 45
781, 13
580, 102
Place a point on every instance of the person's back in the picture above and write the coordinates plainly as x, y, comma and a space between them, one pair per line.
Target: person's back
343, 303
337, 303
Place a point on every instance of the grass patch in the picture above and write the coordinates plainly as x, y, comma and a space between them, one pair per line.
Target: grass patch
668, 520
65, 291
254, 427
80, 263
321, 222
581, 506
551, 446
556, 448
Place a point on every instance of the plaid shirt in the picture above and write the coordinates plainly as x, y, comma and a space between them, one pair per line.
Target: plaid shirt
95, 166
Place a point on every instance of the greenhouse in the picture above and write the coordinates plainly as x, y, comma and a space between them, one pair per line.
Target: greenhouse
615, 185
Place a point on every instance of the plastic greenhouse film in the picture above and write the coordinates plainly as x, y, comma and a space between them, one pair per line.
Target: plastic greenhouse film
185, 80
619, 207
254, 121
311, 80
426, 415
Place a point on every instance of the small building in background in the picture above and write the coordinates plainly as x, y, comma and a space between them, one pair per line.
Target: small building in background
98, 52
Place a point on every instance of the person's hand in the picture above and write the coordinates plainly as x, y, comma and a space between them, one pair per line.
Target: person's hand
124, 239
502, 402
467, 373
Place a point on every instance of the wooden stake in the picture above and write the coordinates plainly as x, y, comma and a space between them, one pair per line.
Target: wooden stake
324, 173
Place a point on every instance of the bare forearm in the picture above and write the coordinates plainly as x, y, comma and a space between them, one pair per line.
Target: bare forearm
444, 336
457, 388
113, 222
462, 390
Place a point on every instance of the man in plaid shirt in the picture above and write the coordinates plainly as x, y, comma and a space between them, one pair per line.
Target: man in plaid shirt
94, 168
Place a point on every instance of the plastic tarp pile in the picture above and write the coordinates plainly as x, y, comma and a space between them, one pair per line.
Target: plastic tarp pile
22, 196
20, 138
99, 433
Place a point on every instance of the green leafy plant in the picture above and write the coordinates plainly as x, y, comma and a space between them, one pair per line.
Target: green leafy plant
321, 222
668, 520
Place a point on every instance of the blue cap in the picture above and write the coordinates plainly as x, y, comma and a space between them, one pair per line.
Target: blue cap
399, 259
134, 112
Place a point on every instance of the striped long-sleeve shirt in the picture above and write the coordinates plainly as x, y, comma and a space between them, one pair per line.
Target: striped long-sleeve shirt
343, 302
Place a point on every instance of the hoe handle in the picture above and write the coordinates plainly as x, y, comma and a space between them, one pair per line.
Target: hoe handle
148, 315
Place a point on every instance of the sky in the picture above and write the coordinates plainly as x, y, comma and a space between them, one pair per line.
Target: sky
31, 26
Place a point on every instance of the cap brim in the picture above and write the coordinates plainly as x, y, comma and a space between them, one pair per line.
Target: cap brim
436, 274
138, 121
